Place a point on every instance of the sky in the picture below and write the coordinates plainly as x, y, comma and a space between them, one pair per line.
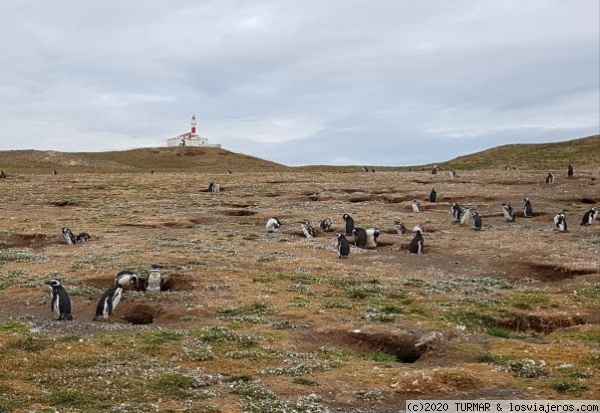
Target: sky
338, 82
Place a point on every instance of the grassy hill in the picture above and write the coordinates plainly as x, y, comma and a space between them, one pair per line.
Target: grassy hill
584, 152
176, 159
580, 152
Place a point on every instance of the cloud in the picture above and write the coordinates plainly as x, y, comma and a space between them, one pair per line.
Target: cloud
299, 82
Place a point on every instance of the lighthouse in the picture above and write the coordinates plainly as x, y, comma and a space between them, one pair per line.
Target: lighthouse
190, 138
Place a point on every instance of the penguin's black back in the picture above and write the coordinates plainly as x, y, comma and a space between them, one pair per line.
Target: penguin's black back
417, 241
64, 302
343, 246
349, 224
106, 299
360, 237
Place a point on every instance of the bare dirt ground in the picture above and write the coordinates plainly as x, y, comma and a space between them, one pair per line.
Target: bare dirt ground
461, 321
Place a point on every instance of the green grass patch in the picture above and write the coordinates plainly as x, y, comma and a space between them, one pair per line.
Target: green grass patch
30, 344
14, 327
531, 299
173, 385
305, 382
21, 256
380, 356
74, 399
498, 332
568, 386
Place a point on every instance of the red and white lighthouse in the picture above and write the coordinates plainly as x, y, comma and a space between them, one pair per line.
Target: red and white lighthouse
193, 124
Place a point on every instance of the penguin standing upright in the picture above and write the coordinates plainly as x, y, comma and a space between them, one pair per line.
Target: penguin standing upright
570, 170
108, 302
508, 212
349, 223
589, 216
560, 222
456, 211
360, 237
416, 244
527, 209
550, 178
343, 247
416, 206
433, 195
466, 216
60, 303
154, 281
477, 221
372, 234
307, 229
400, 227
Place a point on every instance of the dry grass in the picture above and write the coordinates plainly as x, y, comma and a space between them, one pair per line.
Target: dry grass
257, 322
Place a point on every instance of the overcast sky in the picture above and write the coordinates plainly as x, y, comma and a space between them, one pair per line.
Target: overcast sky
376, 82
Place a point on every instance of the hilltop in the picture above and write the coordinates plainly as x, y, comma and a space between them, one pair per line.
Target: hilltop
174, 159
583, 152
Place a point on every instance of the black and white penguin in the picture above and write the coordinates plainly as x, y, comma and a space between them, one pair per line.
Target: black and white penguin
2, 174
560, 222
453, 173
508, 212
272, 224
570, 170
365, 169
326, 224
435, 169
349, 223
433, 195
360, 237
307, 229
127, 279
589, 216
343, 246
477, 221
155, 279
400, 227
466, 216
54, 172
550, 178
416, 244
416, 206
372, 234
527, 209
456, 211
108, 302
71, 238
60, 303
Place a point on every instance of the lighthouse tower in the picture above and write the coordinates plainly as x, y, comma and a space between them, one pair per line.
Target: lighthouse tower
193, 124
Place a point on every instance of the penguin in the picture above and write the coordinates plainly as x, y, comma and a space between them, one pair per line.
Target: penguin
360, 237
365, 169
127, 279
400, 227
74, 239
416, 206
154, 281
508, 212
589, 216
416, 245
2, 174
435, 169
307, 229
349, 223
466, 216
570, 170
54, 172
272, 224
550, 178
477, 222
216, 188
372, 234
108, 302
527, 209
60, 303
326, 224
343, 246
453, 173
432, 195
456, 211
560, 222
210, 187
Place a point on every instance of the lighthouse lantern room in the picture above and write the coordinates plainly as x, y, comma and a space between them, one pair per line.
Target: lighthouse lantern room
190, 138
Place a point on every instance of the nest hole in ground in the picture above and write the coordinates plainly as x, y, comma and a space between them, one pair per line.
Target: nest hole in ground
140, 314
30, 240
548, 272
239, 213
402, 347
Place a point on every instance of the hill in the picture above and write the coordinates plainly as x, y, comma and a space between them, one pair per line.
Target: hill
580, 152
176, 159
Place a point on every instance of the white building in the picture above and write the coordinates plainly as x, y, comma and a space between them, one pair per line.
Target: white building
191, 138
